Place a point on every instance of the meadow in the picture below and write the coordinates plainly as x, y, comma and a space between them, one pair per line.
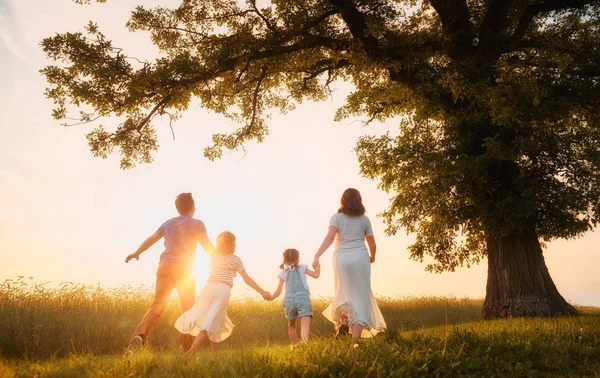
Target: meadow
74, 331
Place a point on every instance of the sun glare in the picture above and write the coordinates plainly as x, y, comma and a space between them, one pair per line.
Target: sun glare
201, 269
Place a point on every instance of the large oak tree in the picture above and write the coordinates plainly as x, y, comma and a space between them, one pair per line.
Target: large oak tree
499, 144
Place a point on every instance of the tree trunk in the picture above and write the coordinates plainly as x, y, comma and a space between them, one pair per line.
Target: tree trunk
518, 281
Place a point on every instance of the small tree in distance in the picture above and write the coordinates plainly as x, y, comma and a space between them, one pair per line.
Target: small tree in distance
499, 147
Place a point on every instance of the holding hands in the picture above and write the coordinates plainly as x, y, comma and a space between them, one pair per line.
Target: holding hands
267, 296
316, 265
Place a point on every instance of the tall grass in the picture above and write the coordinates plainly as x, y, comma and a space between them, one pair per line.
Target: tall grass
533, 347
81, 331
38, 322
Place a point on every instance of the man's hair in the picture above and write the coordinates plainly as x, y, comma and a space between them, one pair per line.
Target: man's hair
184, 203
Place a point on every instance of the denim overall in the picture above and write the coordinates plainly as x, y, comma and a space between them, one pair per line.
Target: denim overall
297, 299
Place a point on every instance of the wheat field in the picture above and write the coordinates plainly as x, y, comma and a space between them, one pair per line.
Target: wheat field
75, 330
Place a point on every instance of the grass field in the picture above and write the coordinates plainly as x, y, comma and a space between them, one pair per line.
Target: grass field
76, 331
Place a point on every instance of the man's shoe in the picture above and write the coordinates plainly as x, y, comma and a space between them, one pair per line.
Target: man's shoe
135, 344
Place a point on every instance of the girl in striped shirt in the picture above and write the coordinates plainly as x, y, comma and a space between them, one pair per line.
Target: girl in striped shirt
207, 319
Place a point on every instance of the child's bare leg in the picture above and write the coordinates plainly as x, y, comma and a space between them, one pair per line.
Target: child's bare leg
292, 331
200, 340
356, 331
215, 347
305, 327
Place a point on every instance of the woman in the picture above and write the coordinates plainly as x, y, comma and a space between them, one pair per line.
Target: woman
354, 308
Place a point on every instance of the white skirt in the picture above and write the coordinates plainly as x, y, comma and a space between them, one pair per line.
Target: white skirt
209, 314
353, 295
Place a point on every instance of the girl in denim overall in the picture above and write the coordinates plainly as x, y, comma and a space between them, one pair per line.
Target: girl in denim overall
296, 300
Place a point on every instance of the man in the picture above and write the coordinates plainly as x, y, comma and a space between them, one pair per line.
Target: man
181, 235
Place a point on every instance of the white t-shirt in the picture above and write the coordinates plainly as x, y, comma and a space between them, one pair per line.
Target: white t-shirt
351, 231
301, 270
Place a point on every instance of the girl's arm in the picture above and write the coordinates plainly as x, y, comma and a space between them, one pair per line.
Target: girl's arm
314, 273
250, 282
327, 242
372, 247
278, 291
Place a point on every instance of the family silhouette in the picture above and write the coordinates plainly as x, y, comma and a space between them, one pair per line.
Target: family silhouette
353, 310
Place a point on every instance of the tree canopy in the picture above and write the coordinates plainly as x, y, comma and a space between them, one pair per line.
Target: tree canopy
500, 129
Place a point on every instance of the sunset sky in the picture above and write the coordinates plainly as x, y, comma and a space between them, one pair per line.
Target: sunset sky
67, 216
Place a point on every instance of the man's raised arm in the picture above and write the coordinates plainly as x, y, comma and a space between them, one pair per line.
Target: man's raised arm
149, 242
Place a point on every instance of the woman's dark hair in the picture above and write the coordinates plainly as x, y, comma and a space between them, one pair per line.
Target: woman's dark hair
291, 257
184, 203
351, 203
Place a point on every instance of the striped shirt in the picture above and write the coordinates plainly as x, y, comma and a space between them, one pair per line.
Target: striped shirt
223, 268
351, 231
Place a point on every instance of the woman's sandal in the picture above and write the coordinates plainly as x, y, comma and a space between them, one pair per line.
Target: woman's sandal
343, 329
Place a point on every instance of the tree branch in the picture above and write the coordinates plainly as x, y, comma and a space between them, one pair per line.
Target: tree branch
262, 16
327, 65
533, 10
263, 74
357, 24
230, 63
162, 104
247, 131
543, 45
493, 24
243, 71
456, 23
83, 121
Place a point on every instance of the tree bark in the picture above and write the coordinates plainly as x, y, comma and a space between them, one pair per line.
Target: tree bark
518, 281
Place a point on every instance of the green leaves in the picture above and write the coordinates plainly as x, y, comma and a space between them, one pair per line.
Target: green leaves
499, 129
432, 195
88, 1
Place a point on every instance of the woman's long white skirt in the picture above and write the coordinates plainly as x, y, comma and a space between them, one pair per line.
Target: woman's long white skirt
353, 295
209, 314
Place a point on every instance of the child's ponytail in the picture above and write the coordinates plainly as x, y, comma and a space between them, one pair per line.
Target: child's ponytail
291, 257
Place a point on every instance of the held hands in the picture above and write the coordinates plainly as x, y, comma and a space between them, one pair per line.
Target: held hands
267, 296
316, 264
273, 296
132, 256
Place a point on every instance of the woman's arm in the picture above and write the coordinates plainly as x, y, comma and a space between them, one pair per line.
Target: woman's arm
314, 273
250, 282
327, 242
372, 246
278, 291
